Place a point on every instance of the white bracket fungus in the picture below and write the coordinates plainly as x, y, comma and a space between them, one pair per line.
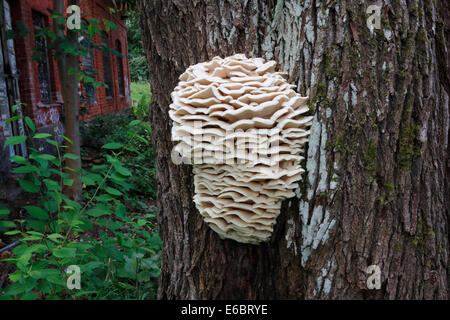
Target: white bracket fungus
243, 127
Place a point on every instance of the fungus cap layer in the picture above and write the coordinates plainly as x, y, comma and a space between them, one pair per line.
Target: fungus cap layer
243, 127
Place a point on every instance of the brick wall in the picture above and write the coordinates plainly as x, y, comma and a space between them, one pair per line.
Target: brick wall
47, 115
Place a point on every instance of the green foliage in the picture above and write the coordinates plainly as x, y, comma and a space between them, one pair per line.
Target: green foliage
138, 62
116, 249
141, 96
138, 68
133, 137
111, 235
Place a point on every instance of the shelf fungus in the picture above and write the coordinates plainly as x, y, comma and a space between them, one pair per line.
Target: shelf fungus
242, 127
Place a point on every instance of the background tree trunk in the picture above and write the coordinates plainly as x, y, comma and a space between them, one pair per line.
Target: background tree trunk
70, 92
376, 188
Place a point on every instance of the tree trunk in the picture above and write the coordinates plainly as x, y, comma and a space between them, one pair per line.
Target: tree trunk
376, 188
71, 97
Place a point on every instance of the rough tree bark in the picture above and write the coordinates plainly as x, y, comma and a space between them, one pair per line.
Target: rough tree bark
376, 190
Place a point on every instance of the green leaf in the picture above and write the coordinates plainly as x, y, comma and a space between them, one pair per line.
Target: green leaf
28, 186
4, 212
144, 140
113, 146
5, 225
112, 160
71, 156
64, 252
52, 185
19, 159
91, 266
45, 156
87, 181
30, 124
67, 139
34, 233
12, 119
37, 225
98, 211
10, 34
141, 222
122, 170
113, 191
25, 169
30, 296
51, 206
134, 122
55, 236
91, 31
104, 198
109, 25
31, 238
41, 135
15, 140
36, 56
14, 109
12, 233
97, 84
68, 182
52, 142
14, 289
51, 34
23, 30
37, 212
56, 279
54, 226
121, 211
118, 178
25, 251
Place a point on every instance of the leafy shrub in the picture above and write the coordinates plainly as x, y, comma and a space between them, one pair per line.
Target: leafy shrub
138, 67
117, 250
137, 153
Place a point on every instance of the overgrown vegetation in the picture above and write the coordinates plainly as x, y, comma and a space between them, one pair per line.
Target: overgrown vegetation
111, 235
137, 153
140, 87
138, 62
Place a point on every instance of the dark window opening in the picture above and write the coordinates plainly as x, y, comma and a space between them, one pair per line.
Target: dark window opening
107, 66
40, 44
88, 69
120, 69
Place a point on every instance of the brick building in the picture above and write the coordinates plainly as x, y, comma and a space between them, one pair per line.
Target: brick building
36, 83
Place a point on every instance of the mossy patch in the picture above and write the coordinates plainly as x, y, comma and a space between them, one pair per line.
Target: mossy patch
408, 146
330, 72
370, 159
389, 187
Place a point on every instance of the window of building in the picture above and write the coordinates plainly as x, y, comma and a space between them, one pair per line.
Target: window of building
107, 66
9, 86
120, 69
43, 62
88, 68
